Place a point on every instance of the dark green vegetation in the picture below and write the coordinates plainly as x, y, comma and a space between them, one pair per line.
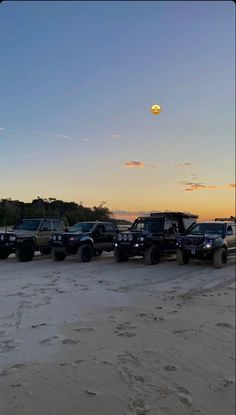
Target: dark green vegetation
12, 210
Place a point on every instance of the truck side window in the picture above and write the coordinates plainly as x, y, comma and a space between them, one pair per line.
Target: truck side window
46, 226
229, 230
109, 227
57, 226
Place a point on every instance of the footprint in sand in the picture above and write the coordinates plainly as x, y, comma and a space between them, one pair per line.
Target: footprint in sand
139, 406
146, 316
18, 366
127, 334
124, 329
170, 368
50, 340
180, 331
185, 400
84, 329
227, 325
69, 341
185, 396
7, 345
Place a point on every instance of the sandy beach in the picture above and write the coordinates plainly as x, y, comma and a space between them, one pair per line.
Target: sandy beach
116, 339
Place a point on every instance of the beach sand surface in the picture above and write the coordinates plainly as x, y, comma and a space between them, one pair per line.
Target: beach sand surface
116, 339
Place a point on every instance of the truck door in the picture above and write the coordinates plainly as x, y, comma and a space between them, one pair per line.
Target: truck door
110, 232
171, 231
99, 237
44, 233
230, 237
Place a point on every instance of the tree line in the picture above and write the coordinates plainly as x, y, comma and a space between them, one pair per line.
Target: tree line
12, 210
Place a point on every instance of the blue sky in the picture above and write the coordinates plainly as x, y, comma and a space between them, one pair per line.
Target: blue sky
77, 82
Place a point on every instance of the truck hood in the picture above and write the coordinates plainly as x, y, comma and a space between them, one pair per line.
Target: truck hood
20, 233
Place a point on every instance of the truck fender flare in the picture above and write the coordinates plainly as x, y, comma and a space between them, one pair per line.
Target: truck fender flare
87, 239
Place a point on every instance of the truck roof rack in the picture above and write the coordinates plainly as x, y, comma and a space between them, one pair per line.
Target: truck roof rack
183, 214
231, 219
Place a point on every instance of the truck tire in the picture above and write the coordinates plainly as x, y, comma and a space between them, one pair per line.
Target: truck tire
85, 253
45, 251
58, 256
152, 255
120, 256
25, 252
4, 254
182, 257
220, 258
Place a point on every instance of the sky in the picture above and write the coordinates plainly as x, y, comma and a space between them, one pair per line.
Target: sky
77, 80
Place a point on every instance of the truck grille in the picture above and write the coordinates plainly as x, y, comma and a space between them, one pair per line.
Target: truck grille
193, 242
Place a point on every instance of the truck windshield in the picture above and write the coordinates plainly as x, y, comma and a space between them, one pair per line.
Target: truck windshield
207, 228
28, 224
151, 225
82, 227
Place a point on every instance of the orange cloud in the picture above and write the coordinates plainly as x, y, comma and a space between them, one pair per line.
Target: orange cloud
139, 164
186, 164
190, 187
133, 163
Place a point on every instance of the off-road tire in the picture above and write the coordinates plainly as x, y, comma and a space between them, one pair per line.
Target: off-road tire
4, 254
25, 252
220, 258
85, 253
182, 257
58, 256
45, 251
152, 255
120, 256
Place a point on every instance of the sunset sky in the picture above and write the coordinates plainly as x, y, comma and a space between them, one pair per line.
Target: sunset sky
76, 86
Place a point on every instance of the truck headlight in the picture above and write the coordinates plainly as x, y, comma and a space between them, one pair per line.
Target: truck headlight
12, 238
125, 237
119, 237
130, 237
141, 238
208, 243
59, 237
54, 237
2, 237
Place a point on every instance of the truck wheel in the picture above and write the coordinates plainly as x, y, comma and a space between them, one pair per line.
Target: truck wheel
4, 254
58, 256
45, 251
25, 253
120, 256
152, 255
98, 252
220, 258
182, 257
85, 253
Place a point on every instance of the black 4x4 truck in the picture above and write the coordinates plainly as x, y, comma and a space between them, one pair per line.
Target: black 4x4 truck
152, 236
85, 240
208, 240
28, 236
